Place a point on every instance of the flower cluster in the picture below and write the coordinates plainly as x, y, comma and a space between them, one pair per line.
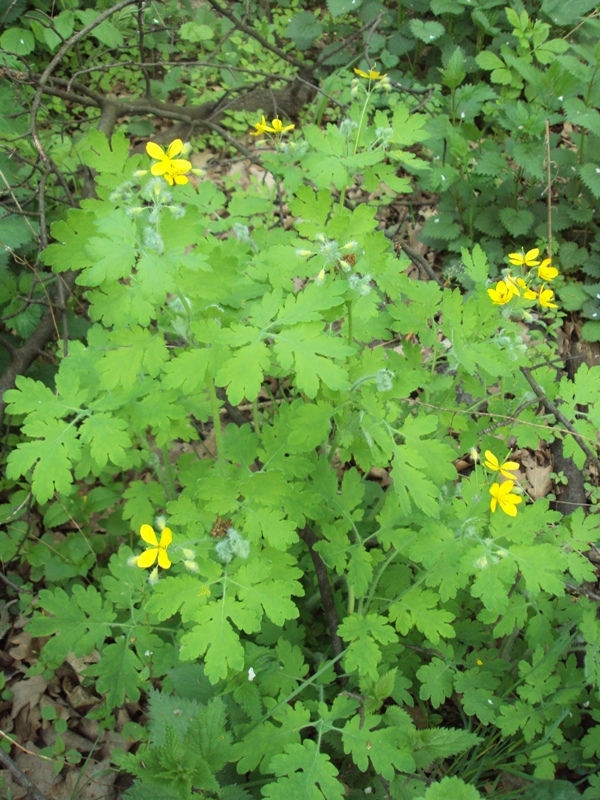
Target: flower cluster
336, 258
511, 286
277, 127
502, 493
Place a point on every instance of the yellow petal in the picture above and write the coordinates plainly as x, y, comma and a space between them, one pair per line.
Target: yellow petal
155, 151
163, 559
508, 509
531, 255
174, 148
505, 488
166, 537
148, 535
491, 460
180, 180
181, 165
148, 557
159, 168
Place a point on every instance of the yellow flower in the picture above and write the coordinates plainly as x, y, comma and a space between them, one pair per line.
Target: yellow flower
528, 260
501, 496
546, 272
501, 294
371, 75
168, 166
278, 126
518, 284
261, 127
514, 284
546, 297
491, 462
157, 550
172, 176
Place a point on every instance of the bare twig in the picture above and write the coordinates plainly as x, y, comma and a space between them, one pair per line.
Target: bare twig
415, 257
255, 35
20, 776
45, 76
559, 416
331, 615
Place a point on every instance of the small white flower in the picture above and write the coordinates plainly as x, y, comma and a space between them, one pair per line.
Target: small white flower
251, 674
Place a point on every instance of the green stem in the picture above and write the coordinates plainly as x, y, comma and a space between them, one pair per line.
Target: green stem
256, 415
362, 116
169, 474
351, 600
214, 404
349, 307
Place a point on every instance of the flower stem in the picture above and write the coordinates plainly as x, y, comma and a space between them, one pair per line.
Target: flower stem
349, 307
256, 415
169, 481
214, 404
362, 116
351, 600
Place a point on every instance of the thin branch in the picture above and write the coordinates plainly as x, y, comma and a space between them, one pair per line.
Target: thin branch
331, 615
46, 74
559, 416
20, 776
255, 35
415, 257
144, 71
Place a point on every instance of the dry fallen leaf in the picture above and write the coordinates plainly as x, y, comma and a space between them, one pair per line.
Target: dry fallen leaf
27, 693
535, 471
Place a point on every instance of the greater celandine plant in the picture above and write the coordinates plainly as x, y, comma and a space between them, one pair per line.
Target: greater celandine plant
321, 567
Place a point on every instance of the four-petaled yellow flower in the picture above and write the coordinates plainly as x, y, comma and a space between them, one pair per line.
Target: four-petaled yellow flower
501, 496
170, 167
527, 260
517, 284
279, 127
546, 272
371, 75
546, 297
501, 294
261, 127
157, 549
491, 462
